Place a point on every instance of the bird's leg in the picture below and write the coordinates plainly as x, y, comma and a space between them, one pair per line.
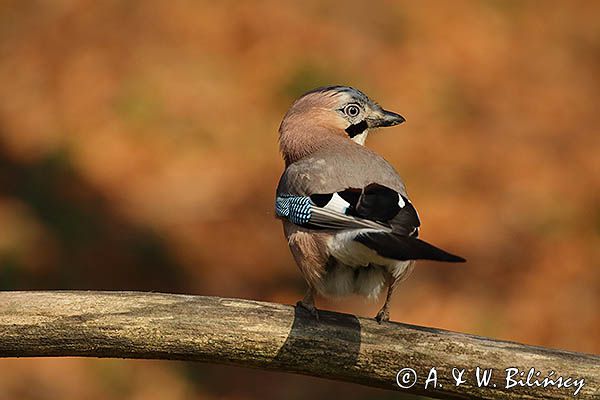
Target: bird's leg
308, 302
384, 314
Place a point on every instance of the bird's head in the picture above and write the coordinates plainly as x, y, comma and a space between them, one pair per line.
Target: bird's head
332, 111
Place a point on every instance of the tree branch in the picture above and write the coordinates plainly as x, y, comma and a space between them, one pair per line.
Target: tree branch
279, 337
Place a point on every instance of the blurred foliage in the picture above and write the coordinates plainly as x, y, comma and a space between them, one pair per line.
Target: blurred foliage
307, 76
138, 151
89, 247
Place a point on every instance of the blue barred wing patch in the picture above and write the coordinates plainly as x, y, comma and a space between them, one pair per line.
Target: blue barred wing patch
297, 209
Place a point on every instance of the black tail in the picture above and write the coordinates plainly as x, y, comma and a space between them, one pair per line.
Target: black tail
403, 248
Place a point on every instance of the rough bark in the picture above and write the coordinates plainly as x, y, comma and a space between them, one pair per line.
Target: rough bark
278, 337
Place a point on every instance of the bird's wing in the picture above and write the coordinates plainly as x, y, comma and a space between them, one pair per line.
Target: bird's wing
383, 220
345, 186
349, 187
374, 206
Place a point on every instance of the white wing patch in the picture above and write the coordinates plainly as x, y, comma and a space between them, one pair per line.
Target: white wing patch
337, 204
401, 202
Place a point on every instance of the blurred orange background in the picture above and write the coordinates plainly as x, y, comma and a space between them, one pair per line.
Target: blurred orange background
138, 151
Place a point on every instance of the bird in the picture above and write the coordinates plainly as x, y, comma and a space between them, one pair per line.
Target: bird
346, 214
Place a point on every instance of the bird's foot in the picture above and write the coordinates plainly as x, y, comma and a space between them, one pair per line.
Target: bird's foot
310, 307
383, 315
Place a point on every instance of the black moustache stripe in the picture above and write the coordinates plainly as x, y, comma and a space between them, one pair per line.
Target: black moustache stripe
357, 129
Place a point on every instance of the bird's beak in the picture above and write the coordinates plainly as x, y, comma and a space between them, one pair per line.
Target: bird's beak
381, 117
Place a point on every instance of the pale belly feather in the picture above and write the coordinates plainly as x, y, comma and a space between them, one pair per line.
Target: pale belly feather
358, 269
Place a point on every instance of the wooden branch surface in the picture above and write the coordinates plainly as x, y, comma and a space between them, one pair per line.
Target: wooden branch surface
280, 337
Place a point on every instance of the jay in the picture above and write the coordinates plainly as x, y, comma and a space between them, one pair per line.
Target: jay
346, 214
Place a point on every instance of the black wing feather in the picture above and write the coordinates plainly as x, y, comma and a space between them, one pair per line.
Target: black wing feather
404, 248
378, 203
321, 200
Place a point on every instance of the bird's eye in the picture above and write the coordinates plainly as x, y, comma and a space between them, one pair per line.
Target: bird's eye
352, 110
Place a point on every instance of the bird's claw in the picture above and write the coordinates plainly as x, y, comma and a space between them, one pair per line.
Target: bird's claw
382, 316
310, 308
